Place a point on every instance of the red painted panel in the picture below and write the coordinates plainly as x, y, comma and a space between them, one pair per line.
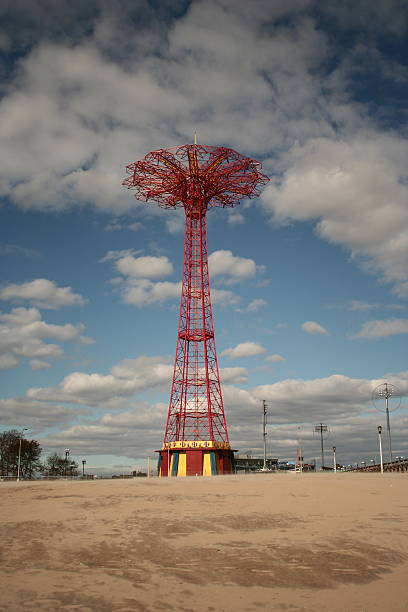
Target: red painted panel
226, 463
194, 459
164, 462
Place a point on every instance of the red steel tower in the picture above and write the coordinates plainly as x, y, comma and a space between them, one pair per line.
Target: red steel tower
196, 178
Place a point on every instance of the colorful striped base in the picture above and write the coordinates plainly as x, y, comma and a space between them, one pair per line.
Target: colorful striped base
195, 462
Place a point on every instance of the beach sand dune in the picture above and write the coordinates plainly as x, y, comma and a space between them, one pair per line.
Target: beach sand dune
286, 542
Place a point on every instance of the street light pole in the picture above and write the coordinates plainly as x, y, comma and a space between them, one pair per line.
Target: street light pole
66, 461
381, 452
19, 453
264, 434
387, 391
83, 468
387, 412
334, 459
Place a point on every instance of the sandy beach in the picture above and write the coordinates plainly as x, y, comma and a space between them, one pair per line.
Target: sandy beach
292, 542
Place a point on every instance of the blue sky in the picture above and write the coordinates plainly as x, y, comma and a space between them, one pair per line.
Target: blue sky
309, 282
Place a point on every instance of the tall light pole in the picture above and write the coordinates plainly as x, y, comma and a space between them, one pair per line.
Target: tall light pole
66, 461
19, 453
386, 391
299, 457
83, 468
381, 452
264, 421
321, 428
334, 459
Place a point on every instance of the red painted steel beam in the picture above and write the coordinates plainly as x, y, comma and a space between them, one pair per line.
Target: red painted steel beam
195, 177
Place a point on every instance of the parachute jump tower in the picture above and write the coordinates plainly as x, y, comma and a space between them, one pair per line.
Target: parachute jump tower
196, 178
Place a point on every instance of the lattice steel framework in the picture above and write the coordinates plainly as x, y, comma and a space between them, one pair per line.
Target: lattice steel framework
197, 178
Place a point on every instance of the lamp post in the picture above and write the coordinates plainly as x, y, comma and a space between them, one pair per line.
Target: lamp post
66, 461
19, 453
334, 459
388, 392
264, 421
83, 468
381, 453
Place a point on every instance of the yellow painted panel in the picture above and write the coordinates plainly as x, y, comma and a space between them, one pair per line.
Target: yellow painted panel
182, 465
206, 464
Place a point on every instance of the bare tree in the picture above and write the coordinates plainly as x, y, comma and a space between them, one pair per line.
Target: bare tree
10, 450
56, 465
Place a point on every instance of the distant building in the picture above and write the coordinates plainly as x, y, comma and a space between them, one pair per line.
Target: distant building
245, 463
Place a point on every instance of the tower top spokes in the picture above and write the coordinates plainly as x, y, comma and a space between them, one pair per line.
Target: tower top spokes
194, 175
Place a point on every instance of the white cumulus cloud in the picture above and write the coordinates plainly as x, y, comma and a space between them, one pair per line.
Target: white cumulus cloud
311, 327
143, 291
42, 293
23, 411
231, 267
144, 267
22, 334
357, 191
275, 358
124, 379
38, 364
245, 349
233, 375
255, 305
381, 329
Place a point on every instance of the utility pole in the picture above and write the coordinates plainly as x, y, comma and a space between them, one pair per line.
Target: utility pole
19, 453
321, 428
66, 461
299, 457
381, 451
264, 421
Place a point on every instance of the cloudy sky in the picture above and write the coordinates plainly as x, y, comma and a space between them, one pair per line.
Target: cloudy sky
309, 282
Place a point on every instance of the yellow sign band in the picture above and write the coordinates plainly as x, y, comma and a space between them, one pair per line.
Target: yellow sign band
195, 444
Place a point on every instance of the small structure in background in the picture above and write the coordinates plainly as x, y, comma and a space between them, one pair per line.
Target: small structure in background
139, 474
247, 463
299, 460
